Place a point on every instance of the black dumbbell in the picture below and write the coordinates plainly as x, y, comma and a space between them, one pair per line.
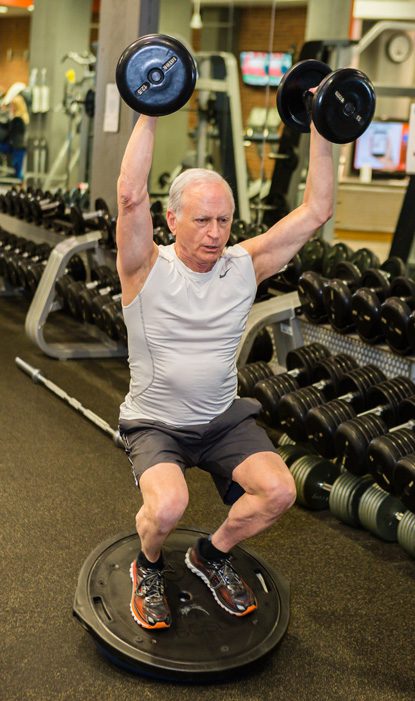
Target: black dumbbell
341, 108
316, 255
353, 435
299, 362
75, 268
312, 254
91, 300
315, 303
110, 318
287, 278
70, 289
334, 255
14, 246
395, 314
102, 309
404, 480
367, 300
156, 75
338, 292
323, 419
19, 265
300, 367
294, 406
89, 221
383, 454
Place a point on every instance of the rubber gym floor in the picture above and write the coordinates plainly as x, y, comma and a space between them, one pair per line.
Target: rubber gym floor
65, 488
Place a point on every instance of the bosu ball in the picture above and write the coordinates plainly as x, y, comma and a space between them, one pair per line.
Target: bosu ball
204, 642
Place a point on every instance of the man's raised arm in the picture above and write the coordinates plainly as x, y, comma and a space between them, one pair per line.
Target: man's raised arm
136, 250
274, 249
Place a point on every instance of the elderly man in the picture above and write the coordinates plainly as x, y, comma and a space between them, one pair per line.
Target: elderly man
185, 307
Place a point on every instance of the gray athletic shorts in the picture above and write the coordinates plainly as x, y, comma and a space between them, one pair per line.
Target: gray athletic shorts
216, 447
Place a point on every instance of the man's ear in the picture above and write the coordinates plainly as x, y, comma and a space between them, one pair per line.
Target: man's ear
171, 221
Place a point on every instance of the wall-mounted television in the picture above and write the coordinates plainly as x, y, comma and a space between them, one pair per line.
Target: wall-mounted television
383, 148
261, 68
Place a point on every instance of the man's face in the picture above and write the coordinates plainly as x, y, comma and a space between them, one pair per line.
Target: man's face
203, 224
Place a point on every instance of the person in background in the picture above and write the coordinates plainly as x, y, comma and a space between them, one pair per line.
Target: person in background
17, 130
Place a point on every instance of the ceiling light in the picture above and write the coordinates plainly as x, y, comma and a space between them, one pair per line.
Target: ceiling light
30, 8
3, 9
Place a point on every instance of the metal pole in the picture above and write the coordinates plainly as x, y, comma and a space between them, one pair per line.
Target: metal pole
38, 378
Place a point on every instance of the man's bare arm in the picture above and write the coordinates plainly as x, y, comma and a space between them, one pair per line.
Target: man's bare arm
274, 249
136, 250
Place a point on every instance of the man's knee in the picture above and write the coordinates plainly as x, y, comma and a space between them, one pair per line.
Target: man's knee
166, 509
281, 492
268, 477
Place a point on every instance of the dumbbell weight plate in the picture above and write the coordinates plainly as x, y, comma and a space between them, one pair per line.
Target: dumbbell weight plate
336, 254
404, 480
156, 75
344, 105
395, 267
377, 513
312, 254
345, 497
312, 474
292, 88
406, 533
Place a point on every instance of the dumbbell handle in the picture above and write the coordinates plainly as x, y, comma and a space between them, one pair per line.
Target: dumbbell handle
38, 378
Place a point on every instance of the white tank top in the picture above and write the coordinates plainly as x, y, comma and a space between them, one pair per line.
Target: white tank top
183, 333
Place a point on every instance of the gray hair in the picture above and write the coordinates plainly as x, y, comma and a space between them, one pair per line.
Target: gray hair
193, 176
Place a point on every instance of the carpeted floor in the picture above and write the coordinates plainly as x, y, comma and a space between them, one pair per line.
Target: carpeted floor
65, 488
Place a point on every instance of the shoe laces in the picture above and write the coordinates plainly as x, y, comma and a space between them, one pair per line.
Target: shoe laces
227, 574
152, 584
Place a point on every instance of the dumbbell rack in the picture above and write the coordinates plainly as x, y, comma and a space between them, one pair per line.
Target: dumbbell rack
44, 300
365, 353
278, 316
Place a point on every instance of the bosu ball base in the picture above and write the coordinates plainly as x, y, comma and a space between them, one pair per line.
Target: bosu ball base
204, 642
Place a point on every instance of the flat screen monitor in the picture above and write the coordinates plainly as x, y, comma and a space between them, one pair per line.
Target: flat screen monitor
383, 148
261, 68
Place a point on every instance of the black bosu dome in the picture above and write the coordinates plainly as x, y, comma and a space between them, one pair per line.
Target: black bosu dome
204, 643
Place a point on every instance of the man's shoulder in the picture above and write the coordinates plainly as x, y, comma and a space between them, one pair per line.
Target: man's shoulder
235, 251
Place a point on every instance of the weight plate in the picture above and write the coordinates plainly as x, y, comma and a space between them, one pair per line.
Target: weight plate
395, 267
345, 497
313, 478
204, 643
404, 480
344, 105
336, 254
156, 75
366, 315
406, 533
337, 298
292, 89
310, 292
378, 513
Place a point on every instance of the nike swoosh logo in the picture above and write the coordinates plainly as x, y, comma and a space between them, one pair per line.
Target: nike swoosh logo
225, 273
